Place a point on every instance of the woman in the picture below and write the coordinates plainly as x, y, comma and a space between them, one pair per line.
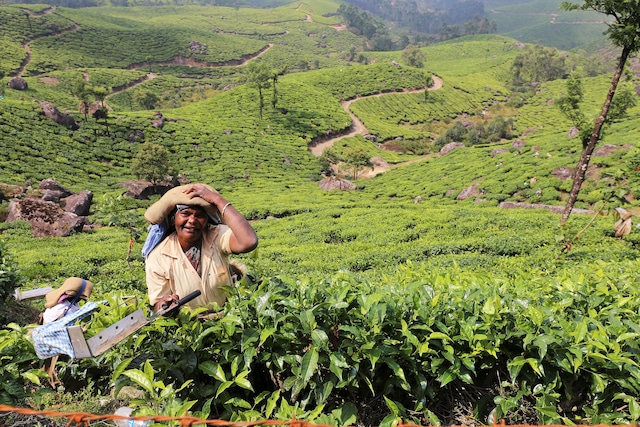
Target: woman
204, 230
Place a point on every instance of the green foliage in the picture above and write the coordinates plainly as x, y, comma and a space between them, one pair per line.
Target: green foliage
10, 277
413, 57
146, 99
624, 100
17, 369
152, 163
356, 158
396, 289
537, 64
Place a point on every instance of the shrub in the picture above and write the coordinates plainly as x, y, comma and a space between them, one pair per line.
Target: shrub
10, 277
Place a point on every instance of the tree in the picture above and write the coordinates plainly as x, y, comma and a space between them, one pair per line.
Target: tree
328, 159
81, 90
623, 32
258, 76
569, 105
413, 56
275, 74
151, 163
356, 158
100, 94
537, 64
145, 99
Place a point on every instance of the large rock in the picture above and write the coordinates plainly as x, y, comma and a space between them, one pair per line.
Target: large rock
52, 191
78, 204
18, 83
46, 218
471, 191
142, 190
58, 212
333, 183
51, 112
450, 147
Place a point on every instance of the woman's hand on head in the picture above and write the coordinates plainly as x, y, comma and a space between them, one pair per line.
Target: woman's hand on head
202, 191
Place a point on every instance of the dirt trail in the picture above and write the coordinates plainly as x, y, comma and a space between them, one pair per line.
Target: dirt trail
357, 127
179, 60
26, 47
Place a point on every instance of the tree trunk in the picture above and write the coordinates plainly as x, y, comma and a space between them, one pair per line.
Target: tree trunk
585, 156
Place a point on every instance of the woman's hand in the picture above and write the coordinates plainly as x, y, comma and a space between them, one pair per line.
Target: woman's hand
204, 192
166, 302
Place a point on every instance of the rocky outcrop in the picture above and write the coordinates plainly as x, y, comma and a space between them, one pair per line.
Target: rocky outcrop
142, 190
56, 213
78, 204
51, 112
47, 219
471, 191
18, 83
450, 147
333, 183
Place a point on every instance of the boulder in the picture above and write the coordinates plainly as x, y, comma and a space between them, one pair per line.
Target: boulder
50, 184
51, 112
47, 219
142, 190
18, 83
136, 136
56, 213
607, 149
79, 203
563, 173
53, 196
332, 183
450, 147
158, 120
471, 191
379, 162
518, 144
498, 151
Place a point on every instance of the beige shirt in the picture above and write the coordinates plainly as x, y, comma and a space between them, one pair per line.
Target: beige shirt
170, 272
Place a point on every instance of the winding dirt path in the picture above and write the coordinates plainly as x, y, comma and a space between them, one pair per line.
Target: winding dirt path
27, 48
180, 60
357, 127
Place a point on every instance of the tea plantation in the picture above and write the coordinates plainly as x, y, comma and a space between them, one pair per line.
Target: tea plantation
418, 296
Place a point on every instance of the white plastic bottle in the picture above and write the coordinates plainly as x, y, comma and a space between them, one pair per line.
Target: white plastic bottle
130, 422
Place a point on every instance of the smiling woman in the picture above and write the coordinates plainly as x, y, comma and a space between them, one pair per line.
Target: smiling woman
200, 229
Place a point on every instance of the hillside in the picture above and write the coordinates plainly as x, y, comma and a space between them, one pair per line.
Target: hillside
215, 133
543, 22
417, 296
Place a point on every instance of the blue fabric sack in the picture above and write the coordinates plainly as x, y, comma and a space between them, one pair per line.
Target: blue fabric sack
53, 339
157, 234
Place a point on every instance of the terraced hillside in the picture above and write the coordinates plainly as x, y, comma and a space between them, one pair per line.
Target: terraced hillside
417, 295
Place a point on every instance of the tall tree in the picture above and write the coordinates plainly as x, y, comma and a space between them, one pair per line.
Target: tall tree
81, 90
151, 163
258, 75
624, 32
146, 99
356, 158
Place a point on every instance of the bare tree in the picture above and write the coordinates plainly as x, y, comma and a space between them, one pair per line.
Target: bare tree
624, 32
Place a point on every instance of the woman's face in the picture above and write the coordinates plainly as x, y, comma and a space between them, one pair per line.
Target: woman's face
190, 223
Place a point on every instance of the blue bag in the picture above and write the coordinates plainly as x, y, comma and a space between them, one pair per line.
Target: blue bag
53, 339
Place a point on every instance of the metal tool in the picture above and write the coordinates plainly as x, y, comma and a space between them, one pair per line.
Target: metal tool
120, 330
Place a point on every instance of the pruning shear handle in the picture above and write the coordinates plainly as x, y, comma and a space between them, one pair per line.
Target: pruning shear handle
167, 311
